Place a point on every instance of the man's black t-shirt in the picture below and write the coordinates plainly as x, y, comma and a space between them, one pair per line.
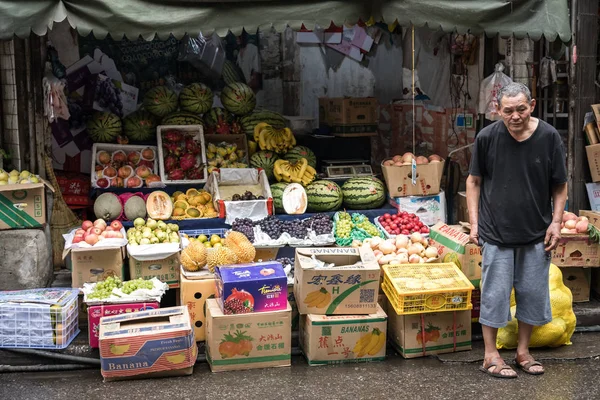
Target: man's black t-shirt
516, 183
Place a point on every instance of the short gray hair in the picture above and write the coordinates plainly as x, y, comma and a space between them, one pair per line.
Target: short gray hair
513, 90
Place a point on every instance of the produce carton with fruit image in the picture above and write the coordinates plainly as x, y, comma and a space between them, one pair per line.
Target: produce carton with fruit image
247, 341
332, 280
23, 205
94, 264
421, 335
400, 170
194, 293
147, 344
336, 339
454, 246
248, 288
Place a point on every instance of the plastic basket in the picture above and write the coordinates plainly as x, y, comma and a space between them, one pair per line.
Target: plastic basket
39, 325
426, 288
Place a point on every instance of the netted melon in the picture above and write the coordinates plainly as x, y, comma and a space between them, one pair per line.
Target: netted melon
108, 206
193, 212
159, 206
135, 207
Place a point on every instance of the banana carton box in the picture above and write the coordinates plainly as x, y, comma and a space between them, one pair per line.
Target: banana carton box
336, 339
147, 344
247, 341
336, 280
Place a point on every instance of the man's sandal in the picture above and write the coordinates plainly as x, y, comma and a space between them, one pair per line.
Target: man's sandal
526, 363
499, 366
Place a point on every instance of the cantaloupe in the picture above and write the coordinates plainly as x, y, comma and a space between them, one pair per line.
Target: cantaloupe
159, 205
108, 207
135, 207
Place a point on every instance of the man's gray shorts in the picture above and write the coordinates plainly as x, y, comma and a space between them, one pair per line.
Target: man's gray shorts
524, 268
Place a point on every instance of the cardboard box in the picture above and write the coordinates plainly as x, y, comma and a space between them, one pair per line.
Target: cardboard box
430, 209
578, 280
592, 216
94, 314
267, 339
89, 265
336, 339
454, 246
345, 116
23, 206
576, 251
593, 190
593, 156
166, 270
147, 344
422, 335
193, 294
345, 288
462, 210
400, 184
258, 287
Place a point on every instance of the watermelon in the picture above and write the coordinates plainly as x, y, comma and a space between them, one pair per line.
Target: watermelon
238, 98
266, 160
104, 127
196, 98
272, 118
182, 118
324, 196
298, 152
363, 193
140, 126
212, 117
160, 101
231, 73
277, 194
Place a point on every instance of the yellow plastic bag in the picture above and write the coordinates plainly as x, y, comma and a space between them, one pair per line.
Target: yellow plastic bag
556, 333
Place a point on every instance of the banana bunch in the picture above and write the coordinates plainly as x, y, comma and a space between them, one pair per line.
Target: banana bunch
296, 172
369, 344
319, 298
277, 140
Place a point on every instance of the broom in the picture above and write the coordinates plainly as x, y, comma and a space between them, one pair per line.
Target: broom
63, 218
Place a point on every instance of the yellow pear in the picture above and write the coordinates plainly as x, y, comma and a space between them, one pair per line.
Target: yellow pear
14, 172
34, 179
3, 175
13, 179
2, 183
25, 174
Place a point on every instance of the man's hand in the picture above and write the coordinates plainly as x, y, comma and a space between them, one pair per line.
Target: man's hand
552, 236
474, 235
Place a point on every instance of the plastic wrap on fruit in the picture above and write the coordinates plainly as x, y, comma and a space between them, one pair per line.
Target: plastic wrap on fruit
204, 53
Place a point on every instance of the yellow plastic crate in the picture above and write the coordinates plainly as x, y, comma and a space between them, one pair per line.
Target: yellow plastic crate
426, 288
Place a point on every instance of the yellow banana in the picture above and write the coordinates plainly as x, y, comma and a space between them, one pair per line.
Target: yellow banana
310, 169
311, 296
281, 165
379, 345
262, 140
361, 343
372, 343
259, 127
325, 301
277, 173
288, 134
317, 300
303, 165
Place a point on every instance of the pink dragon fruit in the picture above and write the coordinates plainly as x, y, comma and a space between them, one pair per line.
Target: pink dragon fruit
191, 146
187, 161
176, 175
170, 163
195, 174
173, 148
173, 136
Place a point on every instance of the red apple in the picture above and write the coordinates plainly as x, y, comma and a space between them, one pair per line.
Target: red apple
79, 232
97, 231
78, 239
134, 182
100, 222
151, 179
149, 164
397, 158
91, 239
108, 229
117, 182
133, 158
103, 157
118, 235
119, 157
103, 183
104, 234
109, 172
99, 168
116, 225
148, 154
125, 172
86, 225
143, 172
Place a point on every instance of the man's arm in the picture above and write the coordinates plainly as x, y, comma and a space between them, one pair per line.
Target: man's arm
559, 198
473, 190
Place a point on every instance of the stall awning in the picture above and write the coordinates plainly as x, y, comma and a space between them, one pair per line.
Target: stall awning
132, 18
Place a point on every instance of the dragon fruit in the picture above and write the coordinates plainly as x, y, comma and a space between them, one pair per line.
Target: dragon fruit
176, 175
170, 163
236, 128
191, 146
173, 136
187, 161
173, 148
195, 174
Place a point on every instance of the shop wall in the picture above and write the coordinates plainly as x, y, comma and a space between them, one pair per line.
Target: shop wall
10, 124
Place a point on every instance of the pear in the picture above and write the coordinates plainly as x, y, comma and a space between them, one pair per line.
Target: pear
3, 175
12, 180
34, 179
14, 172
2, 183
25, 174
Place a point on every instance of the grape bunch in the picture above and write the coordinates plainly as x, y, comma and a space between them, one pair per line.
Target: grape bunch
286, 261
133, 285
343, 226
272, 226
295, 228
107, 96
322, 224
245, 226
77, 116
103, 289
362, 222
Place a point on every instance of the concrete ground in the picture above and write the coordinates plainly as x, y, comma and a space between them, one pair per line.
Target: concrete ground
571, 373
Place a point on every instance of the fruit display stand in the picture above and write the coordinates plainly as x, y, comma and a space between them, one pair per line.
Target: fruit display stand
188, 139
124, 166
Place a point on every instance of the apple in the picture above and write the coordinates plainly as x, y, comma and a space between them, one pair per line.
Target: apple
143, 172
148, 154
100, 222
149, 164
104, 234
103, 183
118, 235
116, 225
397, 158
117, 182
133, 182
109, 172
92, 239
399, 164
434, 157
108, 229
152, 179
133, 158
99, 168
422, 160
408, 157
388, 163
78, 239
103, 157
125, 172
119, 157
97, 231
86, 225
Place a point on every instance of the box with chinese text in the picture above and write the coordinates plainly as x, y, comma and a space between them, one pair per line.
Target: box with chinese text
105, 310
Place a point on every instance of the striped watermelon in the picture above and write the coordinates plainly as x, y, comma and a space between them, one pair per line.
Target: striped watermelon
363, 193
298, 152
266, 160
196, 98
140, 126
272, 118
238, 98
160, 101
323, 196
212, 117
231, 73
104, 127
277, 194
182, 118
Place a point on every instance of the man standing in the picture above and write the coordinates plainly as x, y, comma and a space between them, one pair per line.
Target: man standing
517, 169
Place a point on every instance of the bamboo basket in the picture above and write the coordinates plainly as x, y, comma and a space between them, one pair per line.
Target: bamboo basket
63, 218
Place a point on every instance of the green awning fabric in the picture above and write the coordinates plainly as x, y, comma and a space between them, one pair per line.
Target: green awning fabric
148, 18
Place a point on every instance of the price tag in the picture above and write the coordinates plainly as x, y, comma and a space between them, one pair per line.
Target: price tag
414, 171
